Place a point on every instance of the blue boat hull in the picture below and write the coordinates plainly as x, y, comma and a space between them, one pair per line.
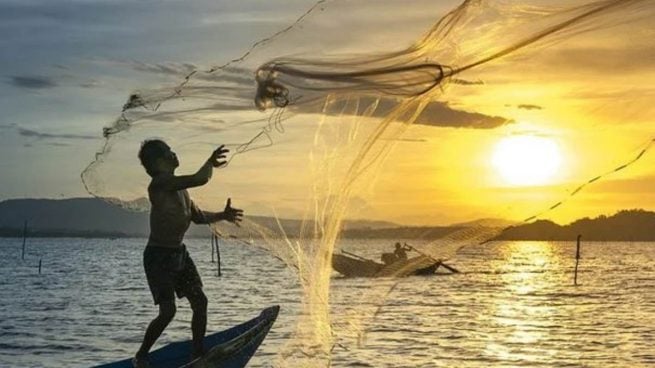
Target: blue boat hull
231, 348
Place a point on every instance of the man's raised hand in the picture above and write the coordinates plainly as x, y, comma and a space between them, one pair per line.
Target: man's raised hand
230, 214
217, 158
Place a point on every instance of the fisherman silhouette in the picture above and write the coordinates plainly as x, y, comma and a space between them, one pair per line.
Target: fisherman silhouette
168, 266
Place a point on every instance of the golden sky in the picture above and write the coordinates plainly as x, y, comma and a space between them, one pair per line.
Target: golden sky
591, 96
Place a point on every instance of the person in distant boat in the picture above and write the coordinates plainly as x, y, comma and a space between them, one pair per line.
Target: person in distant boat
401, 252
168, 266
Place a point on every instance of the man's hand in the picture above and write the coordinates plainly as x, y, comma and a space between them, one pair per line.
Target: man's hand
230, 214
217, 157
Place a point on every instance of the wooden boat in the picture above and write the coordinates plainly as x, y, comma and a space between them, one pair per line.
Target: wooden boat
361, 267
231, 348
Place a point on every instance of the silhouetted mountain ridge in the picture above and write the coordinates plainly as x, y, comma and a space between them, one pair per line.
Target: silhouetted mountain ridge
625, 225
93, 217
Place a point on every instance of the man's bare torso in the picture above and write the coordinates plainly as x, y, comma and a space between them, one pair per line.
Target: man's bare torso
171, 214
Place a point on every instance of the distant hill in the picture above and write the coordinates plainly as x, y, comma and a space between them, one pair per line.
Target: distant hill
75, 217
404, 232
92, 217
627, 225
485, 222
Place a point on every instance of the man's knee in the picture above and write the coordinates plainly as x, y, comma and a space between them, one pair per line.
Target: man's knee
167, 310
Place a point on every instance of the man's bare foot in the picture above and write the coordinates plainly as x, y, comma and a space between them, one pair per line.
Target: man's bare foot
140, 362
197, 353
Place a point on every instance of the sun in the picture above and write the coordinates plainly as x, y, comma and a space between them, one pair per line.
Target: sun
524, 160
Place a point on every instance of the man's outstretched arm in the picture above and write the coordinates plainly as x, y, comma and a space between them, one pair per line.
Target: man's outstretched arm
201, 177
229, 214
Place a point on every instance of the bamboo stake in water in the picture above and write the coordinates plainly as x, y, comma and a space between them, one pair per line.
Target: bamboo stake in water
218, 256
24, 240
39, 266
213, 249
577, 260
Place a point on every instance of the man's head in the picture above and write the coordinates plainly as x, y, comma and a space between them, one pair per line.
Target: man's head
156, 157
398, 245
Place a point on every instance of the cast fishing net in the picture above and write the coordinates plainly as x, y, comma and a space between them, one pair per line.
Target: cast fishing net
317, 115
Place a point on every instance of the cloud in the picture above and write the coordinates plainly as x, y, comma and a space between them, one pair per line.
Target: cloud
232, 74
411, 140
8, 126
91, 83
60, 78
435, 114
603, 61
529, 107
165, 68
465, 82
441, 115
534, 133
46, 82
634, 186
32, 82
630, 92
40, 135
59, 144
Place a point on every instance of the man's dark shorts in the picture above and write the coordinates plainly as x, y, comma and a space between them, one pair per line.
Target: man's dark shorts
170, 271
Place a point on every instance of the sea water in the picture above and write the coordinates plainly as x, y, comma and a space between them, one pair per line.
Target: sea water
513, 304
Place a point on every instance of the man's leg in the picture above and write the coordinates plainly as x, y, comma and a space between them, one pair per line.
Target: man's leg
198, 302
157, 326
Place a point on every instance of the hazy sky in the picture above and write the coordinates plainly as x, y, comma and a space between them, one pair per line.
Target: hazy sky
68, 67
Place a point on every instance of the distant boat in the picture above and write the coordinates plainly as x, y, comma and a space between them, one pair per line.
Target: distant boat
231, 348
355, 266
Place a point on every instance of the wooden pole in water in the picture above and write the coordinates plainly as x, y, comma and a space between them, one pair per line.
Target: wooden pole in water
40, 266
218, 256
577, 260
24, 240
213, 249
356, 256
439, 262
